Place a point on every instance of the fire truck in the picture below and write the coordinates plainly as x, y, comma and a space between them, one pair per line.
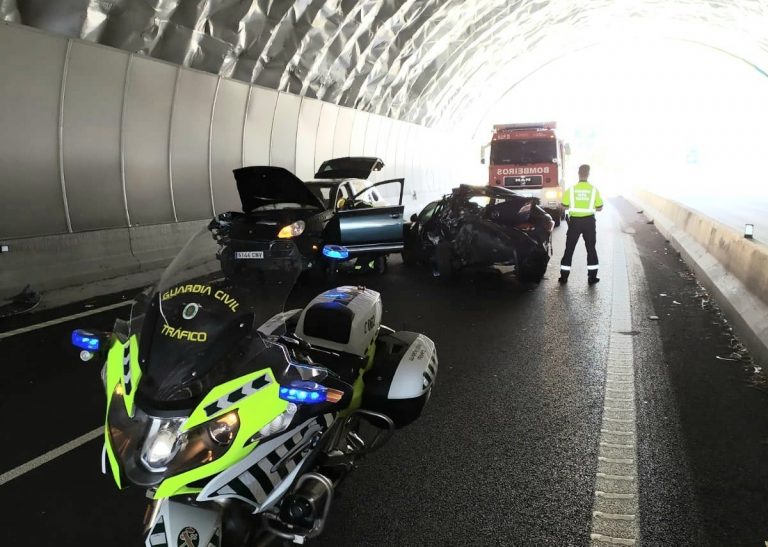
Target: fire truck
528, 158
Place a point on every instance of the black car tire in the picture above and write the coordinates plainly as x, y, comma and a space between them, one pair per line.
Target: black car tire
380, 264
409, 256
557, 220
331, 271
533, 266
444, 260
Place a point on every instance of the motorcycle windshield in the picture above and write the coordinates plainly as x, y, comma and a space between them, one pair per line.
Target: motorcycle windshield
199, 326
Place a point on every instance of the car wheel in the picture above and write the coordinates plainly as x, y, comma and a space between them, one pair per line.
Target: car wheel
380, 264
532, 267
557, 221
331, 271
444, 260
409, 257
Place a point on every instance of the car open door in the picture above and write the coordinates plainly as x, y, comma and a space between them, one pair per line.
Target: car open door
366, 229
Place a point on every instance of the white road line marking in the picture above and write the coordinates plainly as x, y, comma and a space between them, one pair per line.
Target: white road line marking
614, 495
616, 460
614, 445
614, 540
616, 477
612, 516
48, 456
610, 432
59, 320
615, 515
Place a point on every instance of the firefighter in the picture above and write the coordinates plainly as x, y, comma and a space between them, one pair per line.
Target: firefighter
582, 201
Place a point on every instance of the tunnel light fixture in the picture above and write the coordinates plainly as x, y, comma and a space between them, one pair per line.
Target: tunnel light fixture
749, 231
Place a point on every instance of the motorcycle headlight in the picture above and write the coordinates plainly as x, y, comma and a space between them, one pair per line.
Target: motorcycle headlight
292, 230
223, 430
168, 450
162, 444
161, 448
205, 443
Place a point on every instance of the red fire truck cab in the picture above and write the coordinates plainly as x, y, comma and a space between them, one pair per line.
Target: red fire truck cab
528, 158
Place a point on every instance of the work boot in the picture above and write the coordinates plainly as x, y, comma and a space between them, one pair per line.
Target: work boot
563, 279
593, 279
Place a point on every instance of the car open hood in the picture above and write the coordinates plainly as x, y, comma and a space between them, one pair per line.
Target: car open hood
264, 184
357, 167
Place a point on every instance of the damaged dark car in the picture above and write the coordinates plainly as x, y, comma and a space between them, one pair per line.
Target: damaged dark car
477, 227
328, 230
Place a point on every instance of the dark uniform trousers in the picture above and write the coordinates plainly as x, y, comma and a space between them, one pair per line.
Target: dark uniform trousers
585, 227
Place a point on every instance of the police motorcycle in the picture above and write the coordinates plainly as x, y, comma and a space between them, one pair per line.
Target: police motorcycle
241, 419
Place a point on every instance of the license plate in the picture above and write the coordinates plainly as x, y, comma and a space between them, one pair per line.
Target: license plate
247, 255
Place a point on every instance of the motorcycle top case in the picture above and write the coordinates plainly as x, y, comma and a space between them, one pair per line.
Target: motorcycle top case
401, 378
345, 319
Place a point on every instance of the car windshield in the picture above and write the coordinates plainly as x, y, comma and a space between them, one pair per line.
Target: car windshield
201, 322
324, 192
509, 152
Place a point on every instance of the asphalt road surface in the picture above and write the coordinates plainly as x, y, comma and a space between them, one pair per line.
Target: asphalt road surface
506, 452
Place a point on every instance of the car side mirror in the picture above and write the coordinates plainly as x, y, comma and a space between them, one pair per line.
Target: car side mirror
414, 218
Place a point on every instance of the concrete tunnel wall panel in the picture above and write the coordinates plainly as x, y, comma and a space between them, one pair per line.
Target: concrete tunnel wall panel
326, 130
257, 130
371, 138
189, 144
342, 136
283, 144
227, 143
306, 137
359, 127
93, 108
29, 141
146, 132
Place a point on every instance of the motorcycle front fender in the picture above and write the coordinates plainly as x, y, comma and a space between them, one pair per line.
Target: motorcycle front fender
176, 523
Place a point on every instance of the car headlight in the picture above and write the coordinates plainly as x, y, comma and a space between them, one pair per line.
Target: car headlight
292, 230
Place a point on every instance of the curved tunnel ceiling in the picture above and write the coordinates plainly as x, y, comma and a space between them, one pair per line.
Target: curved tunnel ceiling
435, 62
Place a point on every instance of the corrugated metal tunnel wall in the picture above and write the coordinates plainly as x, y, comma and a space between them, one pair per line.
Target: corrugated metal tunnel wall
136, 149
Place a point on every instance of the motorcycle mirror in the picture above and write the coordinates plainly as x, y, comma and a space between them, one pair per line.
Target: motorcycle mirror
90, 342
414, 218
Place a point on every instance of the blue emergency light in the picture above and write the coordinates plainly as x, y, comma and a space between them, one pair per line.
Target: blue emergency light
85, 340
308, 393
337, 252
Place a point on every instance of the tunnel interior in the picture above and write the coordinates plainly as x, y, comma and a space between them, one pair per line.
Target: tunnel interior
146, 107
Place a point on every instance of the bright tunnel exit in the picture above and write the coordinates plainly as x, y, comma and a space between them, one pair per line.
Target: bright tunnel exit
679, 119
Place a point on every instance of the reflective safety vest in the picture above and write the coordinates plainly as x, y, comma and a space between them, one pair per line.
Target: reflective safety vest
582, 199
